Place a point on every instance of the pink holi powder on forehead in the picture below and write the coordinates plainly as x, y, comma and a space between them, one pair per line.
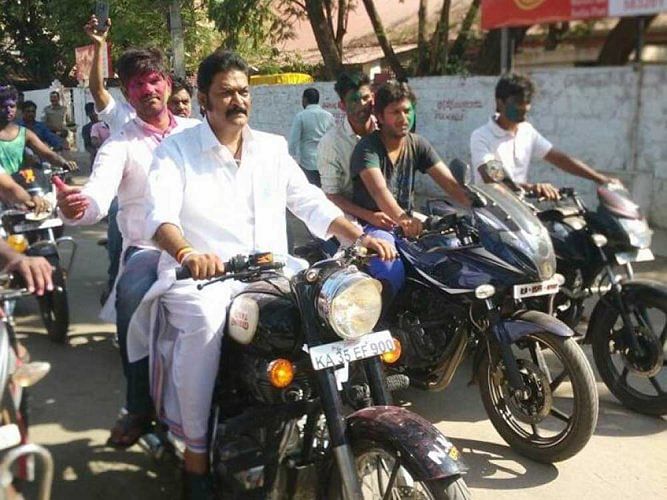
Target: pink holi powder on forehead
152, 82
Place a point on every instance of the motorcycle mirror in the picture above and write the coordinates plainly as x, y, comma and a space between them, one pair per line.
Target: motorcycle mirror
461, 171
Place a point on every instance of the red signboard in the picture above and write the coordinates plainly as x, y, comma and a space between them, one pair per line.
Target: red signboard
84, 61
506, 13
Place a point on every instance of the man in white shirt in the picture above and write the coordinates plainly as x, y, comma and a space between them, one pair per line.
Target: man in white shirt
217, 190
308, 128
120, 169
510, 139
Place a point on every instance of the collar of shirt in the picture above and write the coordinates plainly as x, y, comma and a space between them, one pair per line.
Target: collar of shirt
312, 106
210, 141
154, 132
497, 130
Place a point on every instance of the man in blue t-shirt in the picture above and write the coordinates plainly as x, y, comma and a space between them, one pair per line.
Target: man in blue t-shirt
383, 168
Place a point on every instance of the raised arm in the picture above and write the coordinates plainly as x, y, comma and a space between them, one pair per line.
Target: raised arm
100, 94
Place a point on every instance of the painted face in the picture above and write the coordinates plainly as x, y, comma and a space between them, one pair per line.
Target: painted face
395, 118
515, 109
148, 94
180, 103
359, 104
228, 101
7, 110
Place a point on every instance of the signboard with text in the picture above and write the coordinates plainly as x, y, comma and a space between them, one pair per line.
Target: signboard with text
84, 61
506, 13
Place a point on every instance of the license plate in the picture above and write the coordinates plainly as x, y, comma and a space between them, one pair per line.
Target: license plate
346, 351
535, 289
642, 255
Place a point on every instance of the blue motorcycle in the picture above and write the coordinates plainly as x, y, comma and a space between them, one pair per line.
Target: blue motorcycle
469, 275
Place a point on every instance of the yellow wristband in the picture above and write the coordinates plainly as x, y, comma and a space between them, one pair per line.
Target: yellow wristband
183, 252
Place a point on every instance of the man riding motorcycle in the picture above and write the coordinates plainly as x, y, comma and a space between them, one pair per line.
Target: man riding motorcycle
216, 190
383, 168
507, 137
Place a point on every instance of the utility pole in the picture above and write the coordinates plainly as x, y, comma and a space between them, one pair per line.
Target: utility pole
178, 46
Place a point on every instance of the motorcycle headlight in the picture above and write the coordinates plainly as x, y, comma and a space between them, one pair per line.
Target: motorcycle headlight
638, 232
350, 302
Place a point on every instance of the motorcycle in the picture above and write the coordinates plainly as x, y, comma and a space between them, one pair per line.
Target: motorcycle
41, 235
17, 373
469, 275
278, 424
595, 250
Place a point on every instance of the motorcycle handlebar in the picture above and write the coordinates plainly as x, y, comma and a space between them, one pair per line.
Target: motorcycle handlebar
239, 264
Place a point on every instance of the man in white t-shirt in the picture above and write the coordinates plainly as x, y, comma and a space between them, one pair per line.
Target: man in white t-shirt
510, 139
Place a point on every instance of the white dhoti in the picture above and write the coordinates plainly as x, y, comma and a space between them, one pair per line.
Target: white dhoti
185, 328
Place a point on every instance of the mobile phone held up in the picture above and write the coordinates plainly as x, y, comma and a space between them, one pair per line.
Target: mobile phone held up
102, 14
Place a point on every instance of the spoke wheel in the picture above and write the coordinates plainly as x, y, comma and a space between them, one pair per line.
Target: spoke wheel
554, 417
383, 475
637, 377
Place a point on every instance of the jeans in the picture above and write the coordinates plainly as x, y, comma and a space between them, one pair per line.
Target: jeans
139, 274
391, 272
114, 243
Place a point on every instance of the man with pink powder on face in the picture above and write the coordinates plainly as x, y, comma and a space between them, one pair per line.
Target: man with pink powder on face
120, 169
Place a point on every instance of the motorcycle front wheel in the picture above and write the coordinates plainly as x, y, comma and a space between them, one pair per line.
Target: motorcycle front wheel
637, 377
54, 308
556, 416
383, 475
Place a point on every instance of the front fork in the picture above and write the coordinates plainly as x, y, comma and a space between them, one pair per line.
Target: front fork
505, 344
332, 404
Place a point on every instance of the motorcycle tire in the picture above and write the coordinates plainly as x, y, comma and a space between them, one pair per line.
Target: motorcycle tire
451, 488
600, 338
54, 308
579, 426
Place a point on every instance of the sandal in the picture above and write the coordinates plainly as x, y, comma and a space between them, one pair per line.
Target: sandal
128, 429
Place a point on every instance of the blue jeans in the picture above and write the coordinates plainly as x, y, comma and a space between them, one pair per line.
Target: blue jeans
390, 273
114, 243
138, 276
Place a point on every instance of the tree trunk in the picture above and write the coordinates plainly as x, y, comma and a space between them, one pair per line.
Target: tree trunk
387, 49
422, 52
621, 41
440, 41
326, 43
341, 24
461, 43
488, 60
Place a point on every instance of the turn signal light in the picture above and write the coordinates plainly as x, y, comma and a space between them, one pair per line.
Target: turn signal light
18, 242
281, 373
390, 357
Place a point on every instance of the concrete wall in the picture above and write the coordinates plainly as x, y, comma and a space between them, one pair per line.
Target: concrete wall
596, 114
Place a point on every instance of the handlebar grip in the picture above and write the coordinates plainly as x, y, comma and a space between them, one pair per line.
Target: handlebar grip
183, 273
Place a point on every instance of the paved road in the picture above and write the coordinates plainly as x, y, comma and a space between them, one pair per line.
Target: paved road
73, 408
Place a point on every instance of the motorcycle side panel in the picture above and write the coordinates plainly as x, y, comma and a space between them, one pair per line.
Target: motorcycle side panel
526, 322
426, 450
631, 289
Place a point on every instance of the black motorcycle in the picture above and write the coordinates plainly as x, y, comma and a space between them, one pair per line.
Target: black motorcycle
278, 424
42, 236
595, 250
468, 277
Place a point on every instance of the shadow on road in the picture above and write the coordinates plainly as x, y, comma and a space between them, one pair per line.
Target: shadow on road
497, 467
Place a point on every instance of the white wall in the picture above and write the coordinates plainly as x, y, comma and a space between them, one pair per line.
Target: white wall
590, 113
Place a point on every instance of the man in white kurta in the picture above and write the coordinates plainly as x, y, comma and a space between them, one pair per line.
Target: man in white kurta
217, 190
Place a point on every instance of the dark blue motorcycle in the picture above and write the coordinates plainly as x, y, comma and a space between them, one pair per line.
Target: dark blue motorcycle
468, 277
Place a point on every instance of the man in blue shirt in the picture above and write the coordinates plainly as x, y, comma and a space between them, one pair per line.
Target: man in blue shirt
40, 129
307, 129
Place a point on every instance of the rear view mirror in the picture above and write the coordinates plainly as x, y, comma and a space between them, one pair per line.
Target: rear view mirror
461, 171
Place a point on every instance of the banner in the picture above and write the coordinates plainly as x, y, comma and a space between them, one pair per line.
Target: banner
84, 61
507, 13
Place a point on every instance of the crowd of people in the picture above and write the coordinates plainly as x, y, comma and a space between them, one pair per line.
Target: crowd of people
194, 193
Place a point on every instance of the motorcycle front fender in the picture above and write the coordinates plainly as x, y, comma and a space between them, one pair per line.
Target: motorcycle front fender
632, 290
428, 453
524, 323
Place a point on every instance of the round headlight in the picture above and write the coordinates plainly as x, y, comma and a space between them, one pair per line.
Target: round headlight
351, 302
